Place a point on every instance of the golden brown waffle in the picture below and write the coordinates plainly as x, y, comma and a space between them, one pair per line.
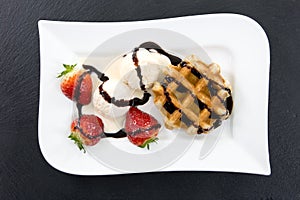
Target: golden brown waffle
193, 96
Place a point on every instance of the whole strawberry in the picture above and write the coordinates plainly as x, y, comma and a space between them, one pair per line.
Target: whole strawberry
141, 128
76, 84
86, 130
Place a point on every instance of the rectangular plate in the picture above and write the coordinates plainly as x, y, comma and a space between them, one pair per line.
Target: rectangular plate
236, 42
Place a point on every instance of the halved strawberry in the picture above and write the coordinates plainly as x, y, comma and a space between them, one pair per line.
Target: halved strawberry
86, 130
76, 84
141, 128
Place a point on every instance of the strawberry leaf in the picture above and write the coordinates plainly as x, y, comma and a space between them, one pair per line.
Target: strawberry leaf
77, 141
148, 142
68, 68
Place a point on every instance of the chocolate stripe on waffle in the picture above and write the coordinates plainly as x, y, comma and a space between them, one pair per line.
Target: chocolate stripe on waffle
214, 92
200, 130
195, 72
169, 106
228, 102
198, 102
182, 89
184, 118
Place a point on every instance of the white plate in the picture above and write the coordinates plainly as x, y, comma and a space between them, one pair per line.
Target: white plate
236, 42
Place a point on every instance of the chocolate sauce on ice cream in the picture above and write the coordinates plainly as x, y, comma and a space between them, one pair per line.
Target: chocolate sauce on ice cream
122, 102
146, 96
117, 102
151, 45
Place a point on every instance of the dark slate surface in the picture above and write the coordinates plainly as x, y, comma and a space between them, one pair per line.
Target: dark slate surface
24, 174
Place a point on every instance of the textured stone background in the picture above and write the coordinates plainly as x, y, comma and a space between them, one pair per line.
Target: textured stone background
24, 174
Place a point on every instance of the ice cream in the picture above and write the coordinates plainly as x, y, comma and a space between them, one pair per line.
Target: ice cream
127, 75
151, 63
116, 89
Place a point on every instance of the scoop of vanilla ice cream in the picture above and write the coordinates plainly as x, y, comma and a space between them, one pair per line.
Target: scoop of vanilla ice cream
116, 89
151, 63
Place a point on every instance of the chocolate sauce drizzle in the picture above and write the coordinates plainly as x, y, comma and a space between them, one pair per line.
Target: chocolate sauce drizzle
154, 127
200, 104
194, 71
228, 103
199, 75
120, 134
100, 75
121, 102
146, 96
79, 82
151, 45
134, 57
77, 94
169, 106
138, 69
181, 88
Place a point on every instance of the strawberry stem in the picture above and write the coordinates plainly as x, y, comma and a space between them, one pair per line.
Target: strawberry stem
68, 68
77, 141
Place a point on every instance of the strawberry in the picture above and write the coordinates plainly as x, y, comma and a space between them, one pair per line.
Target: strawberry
76, 84
141, 128
86, 130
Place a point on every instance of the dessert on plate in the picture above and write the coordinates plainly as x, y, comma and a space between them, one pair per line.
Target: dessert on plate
190, 94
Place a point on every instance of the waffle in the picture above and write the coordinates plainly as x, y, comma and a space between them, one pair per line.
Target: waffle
193, 96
